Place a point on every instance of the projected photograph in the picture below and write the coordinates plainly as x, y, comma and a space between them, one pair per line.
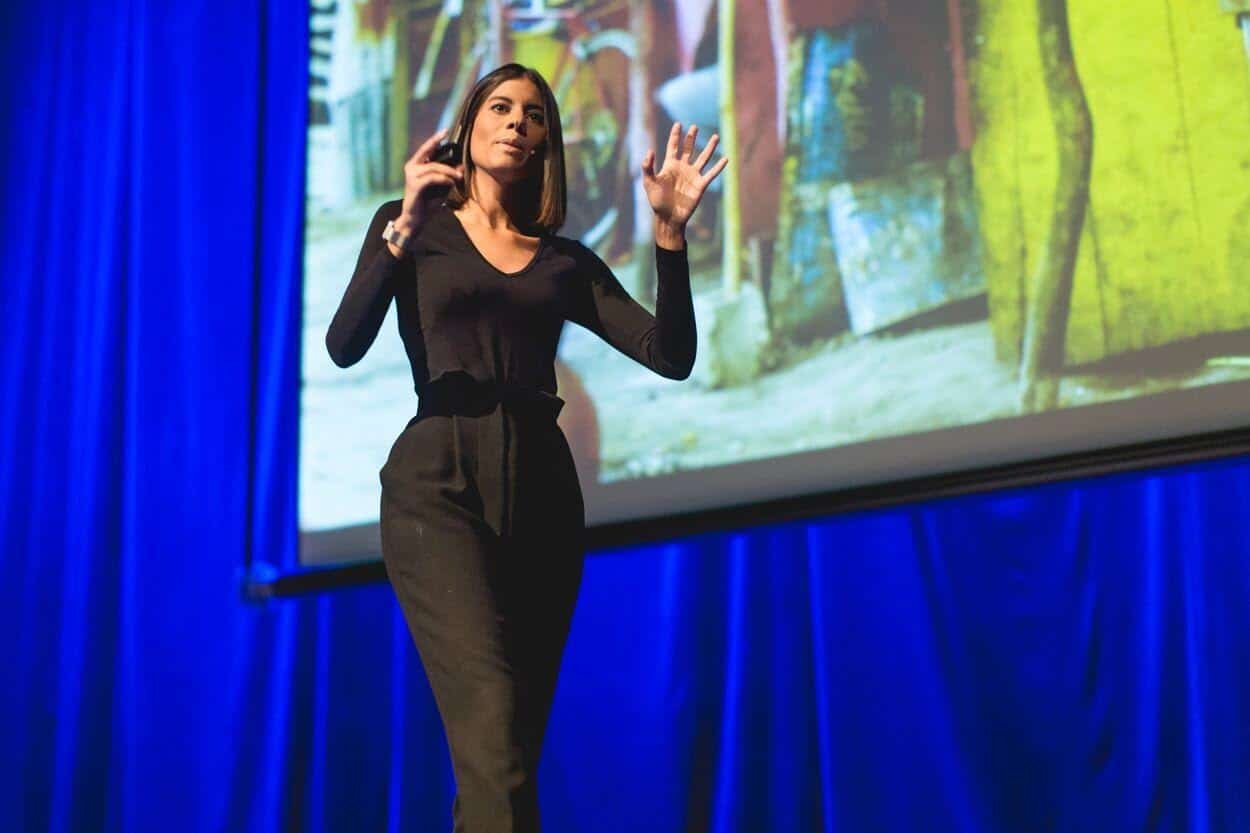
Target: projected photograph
939, 214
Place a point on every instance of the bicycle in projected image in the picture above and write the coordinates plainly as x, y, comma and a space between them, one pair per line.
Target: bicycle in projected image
587, 65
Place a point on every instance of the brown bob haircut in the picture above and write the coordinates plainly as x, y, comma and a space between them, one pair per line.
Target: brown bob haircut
546, 194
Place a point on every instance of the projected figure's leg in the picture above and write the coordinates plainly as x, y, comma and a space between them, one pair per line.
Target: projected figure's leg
489, 619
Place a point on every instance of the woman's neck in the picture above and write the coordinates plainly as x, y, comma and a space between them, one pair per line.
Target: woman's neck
492, 204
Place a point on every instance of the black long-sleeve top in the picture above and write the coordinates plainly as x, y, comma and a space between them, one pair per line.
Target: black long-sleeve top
457, 312
460, 315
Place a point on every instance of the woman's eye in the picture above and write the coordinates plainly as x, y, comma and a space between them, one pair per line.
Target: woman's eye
537, 118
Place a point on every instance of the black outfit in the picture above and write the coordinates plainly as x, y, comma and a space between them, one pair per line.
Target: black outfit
482, 513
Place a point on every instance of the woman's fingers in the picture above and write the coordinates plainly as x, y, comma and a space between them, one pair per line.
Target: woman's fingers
681, 148
427, 147
674, 137
716, 169
441, 173
707, 152
435, 178
648, 165
687, 150
419, 173
449, 170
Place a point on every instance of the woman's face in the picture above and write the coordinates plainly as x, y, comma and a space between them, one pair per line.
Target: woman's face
510, 131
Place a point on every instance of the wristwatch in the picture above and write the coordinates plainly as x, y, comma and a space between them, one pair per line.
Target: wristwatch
396, 237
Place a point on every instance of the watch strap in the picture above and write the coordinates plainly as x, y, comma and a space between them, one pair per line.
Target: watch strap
396, 237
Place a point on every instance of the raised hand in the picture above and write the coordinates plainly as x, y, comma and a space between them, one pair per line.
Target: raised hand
424, 179
676, 189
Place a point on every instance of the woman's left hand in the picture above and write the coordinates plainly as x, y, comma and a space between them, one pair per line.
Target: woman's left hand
676, 189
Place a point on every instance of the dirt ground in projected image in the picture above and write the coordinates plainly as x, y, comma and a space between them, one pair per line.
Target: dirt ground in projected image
830, 393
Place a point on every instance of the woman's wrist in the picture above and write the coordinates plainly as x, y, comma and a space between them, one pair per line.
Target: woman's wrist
668, 235
407, 225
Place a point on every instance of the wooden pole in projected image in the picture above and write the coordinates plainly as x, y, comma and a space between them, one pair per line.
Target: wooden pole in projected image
471, 55
398, 132
731, 215
959, 74
641, 138
433, 46
500, 46
1050, 286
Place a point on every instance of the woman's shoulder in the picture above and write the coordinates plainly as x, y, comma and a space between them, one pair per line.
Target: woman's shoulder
387, 212
390, 210
437, 232
569, 246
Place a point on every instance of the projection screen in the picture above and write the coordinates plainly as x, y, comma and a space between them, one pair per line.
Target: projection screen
955, 234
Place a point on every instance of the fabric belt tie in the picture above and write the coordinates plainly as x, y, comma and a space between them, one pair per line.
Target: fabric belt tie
498, 405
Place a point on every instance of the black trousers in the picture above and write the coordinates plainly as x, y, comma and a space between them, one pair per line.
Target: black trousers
489, 609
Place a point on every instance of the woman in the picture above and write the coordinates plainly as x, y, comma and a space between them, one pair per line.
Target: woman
482, 514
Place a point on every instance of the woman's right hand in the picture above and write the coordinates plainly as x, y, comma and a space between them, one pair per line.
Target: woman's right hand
425, 181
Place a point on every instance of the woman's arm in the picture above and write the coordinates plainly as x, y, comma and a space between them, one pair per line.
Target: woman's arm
368, 295
664, 342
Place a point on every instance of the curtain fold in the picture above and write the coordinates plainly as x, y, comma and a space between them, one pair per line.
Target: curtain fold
1069, 657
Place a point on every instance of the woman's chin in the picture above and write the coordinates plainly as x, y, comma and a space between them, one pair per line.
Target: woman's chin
507, 170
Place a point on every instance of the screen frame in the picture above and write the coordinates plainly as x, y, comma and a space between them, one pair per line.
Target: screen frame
1221, 419
1226, 437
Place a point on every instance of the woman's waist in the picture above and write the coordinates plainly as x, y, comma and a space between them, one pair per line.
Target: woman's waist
458, 393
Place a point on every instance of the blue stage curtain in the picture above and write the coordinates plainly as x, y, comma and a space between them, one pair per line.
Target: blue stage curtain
1073, 657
